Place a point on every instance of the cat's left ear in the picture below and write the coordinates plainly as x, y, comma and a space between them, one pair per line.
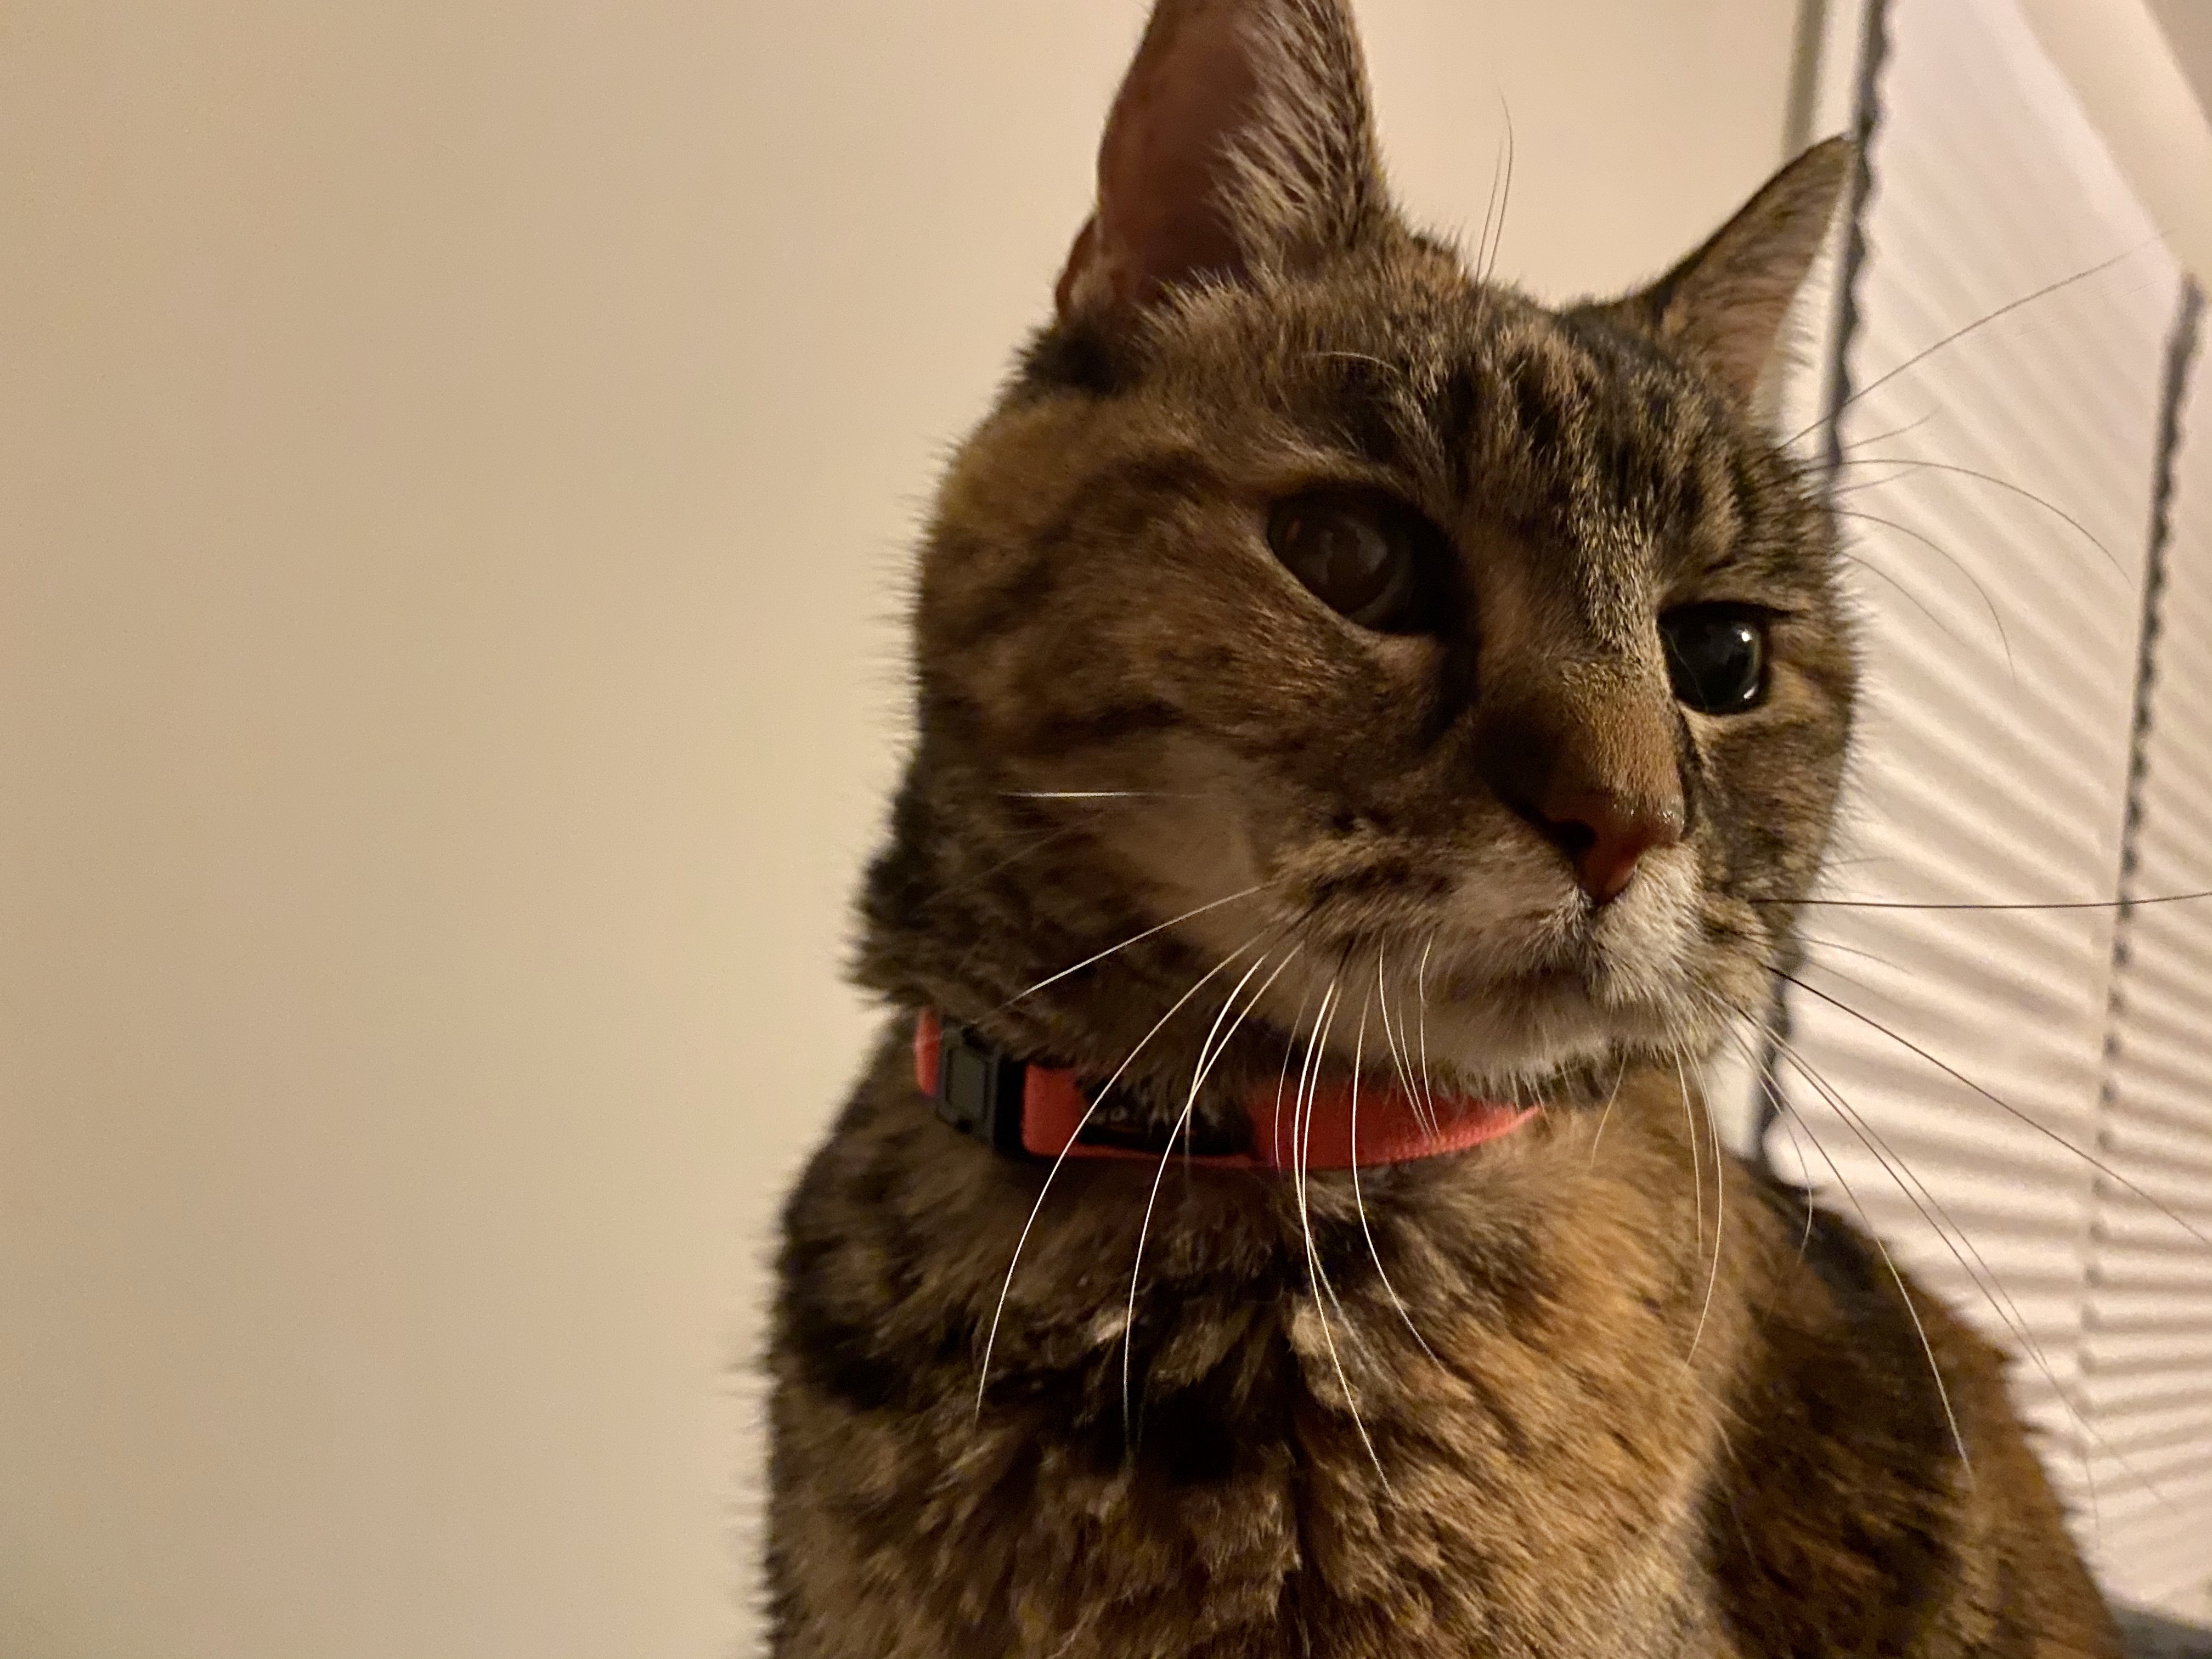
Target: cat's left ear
1240, 142
1725, 304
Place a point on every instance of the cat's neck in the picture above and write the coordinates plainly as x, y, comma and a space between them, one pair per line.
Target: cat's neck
1004, 916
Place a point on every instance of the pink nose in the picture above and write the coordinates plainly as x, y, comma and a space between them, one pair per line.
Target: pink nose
1603, 833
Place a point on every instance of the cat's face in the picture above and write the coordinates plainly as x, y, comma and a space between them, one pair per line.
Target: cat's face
1493, 655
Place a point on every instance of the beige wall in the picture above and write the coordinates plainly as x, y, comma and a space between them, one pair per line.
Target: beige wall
455, 463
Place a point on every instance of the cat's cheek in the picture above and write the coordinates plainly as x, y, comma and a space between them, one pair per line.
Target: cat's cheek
1187, 828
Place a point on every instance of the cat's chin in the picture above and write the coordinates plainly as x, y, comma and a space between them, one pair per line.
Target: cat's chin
1512, 980
1547, 1032
1546, 1037
1520, 998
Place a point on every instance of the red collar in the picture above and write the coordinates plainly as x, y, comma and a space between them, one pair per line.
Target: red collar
1041, 1111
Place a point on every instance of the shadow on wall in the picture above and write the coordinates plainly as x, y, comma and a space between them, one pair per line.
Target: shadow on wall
2151, 1637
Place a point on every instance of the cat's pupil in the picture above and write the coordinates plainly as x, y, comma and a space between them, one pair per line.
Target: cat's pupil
1349, 555
1716, 657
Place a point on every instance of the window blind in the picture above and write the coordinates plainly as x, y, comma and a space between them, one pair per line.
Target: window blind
2005, 334
2146, 1361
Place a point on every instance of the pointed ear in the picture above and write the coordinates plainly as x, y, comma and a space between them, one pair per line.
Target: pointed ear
1240, 140
1725, 304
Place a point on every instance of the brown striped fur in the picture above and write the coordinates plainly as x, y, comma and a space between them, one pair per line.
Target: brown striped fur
1575, 1392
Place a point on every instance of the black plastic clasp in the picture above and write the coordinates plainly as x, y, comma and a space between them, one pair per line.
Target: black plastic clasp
979, 1089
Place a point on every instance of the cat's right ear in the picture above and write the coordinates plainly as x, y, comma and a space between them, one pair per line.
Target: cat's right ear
1725, 305
1240, 140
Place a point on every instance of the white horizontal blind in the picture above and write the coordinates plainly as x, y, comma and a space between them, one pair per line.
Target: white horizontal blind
2145, 1386
2001, 633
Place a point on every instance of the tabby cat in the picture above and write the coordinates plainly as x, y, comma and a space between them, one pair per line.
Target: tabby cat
1345, 686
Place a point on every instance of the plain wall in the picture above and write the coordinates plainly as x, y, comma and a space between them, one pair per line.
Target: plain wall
456, 463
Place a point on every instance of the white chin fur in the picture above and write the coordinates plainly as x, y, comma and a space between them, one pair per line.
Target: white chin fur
1515, 980
1522, 978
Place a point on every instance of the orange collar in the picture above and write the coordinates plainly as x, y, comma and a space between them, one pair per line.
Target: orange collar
1042, 1111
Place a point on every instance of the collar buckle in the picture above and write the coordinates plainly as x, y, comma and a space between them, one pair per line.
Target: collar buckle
979, 1089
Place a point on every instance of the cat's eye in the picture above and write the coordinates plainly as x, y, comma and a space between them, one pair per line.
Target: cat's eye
1716, 657
1362, 555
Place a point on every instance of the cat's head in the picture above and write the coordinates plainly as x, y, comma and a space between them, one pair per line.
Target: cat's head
1490, 652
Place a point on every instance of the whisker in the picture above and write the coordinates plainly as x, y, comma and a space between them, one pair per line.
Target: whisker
1489, 210
1504, 196
1934, 1371
2067, 904
1911, 598
990, 1342
1941, 552
1906, 1181
1763, 1067
1844, 1111
1101, 794
1360, 1199
1392, 1042
1134, 938
1290, 1047
1959, 334
1720, 1208
1697, 1177
1953, 1072
1421, 996
1618, 1078
1884, 437
1322, 1287
1849, 951
1978, 1272
1309, 1075
1207, 1055
1903, 471
1028, 849
1308, 1071
1993, 480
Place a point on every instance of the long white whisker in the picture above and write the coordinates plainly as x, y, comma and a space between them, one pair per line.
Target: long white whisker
990, 1342
1322, 1289
1482, 244
1397, 1056
1300, 1135
1720, 1209
1421, 996
1993, 1291
1134, 938
1696, 1173
1935, 1370
1290, 1048
1301, 1113
1097, 794
1603, 1117
1208, 1053
1360, 1199
1957, 1075
1979, 1272
1764, 1073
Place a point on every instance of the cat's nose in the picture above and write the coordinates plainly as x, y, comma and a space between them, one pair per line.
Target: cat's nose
1604, 832
1595, 763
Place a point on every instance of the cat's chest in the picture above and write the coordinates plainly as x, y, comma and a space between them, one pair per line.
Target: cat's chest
1447, 1413
1354, 1479
1318, 1481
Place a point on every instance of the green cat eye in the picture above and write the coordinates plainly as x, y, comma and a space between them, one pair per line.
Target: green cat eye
1362, 555
1716, 657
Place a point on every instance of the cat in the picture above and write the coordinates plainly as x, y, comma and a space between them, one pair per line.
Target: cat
1345, 685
